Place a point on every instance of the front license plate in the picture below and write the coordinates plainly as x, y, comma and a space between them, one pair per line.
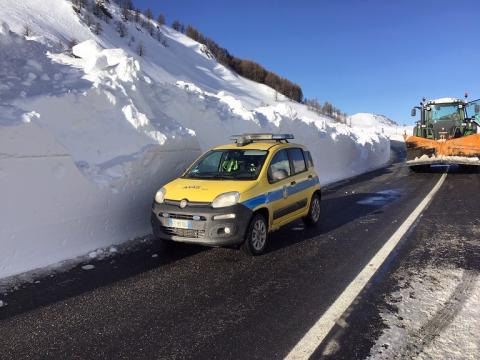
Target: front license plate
180, 224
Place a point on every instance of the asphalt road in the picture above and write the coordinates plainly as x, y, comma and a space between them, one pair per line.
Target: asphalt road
200, 303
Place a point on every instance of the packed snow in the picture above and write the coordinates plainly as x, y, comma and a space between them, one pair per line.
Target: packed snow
87, 138
438, 317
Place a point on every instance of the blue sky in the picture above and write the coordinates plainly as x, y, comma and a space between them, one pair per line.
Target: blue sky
377, 56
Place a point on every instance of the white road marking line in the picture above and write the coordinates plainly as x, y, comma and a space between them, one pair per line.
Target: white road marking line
317, 333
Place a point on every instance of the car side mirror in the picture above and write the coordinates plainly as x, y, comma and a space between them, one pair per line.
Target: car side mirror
413, 112
278, 175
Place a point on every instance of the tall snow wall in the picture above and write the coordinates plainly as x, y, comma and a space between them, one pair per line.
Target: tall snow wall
86, 142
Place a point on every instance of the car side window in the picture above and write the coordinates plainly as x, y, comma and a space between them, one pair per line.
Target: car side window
298, 160
308, 157
279, 168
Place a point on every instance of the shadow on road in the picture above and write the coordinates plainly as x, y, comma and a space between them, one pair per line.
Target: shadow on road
351, 207
53, 288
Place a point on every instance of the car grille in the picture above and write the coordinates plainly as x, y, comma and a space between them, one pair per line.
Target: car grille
184, 217
188, 233
190, 203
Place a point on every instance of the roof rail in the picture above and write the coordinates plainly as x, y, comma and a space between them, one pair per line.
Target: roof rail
245, 139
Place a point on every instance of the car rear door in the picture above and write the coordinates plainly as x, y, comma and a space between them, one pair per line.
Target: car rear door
289, 195
299, 188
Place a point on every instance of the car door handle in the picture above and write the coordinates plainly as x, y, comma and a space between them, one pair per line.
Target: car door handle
293, 183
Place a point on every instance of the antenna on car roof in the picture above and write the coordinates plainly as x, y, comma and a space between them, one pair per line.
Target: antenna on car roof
245, 139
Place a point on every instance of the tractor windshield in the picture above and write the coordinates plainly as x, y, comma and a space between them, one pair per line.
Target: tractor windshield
473, 109
444, 112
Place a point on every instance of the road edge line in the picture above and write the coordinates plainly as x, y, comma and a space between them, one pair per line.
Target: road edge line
319, 331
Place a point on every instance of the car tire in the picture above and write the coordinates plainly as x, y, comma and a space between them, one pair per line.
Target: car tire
313, 216
257, 236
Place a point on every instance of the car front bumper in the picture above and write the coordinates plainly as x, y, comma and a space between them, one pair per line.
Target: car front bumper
202, 229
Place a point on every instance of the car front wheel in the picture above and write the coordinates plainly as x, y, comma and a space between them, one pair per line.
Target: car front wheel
257, 236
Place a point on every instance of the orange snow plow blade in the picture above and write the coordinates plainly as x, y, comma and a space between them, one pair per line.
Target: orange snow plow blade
462, 151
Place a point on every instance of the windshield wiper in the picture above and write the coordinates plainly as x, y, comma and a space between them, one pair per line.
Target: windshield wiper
200, 176
225, 176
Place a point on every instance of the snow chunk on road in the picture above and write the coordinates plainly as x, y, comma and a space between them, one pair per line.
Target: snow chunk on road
28, 117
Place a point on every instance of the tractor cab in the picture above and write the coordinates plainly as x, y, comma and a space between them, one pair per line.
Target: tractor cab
446, 118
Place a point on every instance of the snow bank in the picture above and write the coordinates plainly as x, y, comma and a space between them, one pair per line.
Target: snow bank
86, 141
82, 171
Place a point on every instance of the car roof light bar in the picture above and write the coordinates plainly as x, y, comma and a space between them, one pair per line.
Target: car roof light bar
245, 139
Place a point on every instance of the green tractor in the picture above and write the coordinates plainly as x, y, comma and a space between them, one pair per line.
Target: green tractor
447, 133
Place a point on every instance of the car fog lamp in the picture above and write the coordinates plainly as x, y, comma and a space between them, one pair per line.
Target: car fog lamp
224, 217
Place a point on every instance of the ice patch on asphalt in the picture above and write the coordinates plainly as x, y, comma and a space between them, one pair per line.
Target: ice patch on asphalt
437, 316
380, 198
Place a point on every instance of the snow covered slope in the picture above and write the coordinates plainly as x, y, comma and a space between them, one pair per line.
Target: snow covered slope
85, 141
379, 124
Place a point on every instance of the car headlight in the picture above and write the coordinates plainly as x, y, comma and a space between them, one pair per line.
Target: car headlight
160, 196
226, 199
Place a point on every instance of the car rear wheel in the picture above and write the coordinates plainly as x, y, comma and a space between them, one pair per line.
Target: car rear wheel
313, 215
257, 236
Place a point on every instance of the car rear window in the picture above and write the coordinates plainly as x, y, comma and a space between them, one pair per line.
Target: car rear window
308, 157
298, 160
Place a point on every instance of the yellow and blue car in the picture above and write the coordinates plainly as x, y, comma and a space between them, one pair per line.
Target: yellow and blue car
237, 194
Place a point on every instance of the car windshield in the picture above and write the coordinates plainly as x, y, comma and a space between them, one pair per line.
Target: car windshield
442, 112
236, 164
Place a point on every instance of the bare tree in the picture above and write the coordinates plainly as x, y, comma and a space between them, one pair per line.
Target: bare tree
149, 25
131, 41
98, 29
126, 7
136, 16
176, 25
121, 29
140, 49
27, 30
88, 20
161, 20
70, 46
